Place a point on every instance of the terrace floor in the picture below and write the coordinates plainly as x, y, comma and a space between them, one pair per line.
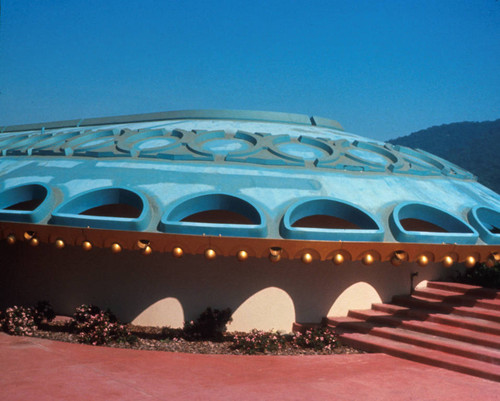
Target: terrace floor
38, 369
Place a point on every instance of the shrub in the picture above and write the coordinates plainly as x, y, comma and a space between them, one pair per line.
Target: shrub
211, 325
317, 339
481, 275
19, 321
258, 341
43, 311
96, 327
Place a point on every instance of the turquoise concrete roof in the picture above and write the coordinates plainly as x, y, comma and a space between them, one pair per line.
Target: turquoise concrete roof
273, 171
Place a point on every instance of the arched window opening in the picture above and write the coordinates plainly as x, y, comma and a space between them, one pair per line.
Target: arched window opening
487, 222
27, 203
214, 214
412, 224
330, 219
218, 217
325, 221
23, 198
421, 223
113, 208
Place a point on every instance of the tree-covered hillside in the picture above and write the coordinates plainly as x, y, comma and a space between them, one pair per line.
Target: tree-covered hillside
474, 146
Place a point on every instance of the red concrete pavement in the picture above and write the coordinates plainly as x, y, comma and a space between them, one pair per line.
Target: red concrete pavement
36, 369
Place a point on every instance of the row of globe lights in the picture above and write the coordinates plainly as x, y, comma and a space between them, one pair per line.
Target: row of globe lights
274, 253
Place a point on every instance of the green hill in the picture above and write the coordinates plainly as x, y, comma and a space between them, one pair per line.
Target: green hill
474, 146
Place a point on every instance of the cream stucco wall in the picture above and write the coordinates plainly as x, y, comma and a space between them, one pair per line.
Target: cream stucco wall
164, 291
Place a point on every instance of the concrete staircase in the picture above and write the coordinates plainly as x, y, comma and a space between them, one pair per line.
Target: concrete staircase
449, 325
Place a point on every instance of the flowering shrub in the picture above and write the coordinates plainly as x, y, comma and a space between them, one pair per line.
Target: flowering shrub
211, 325
258, 341
96, 327
19, 321
317, 339
84, 313
43, 311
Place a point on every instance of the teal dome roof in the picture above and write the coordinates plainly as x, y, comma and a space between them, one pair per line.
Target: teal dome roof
277, 180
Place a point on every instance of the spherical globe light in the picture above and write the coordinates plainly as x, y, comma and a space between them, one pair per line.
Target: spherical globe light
147, 250
368, 259
210, 254
338, 259
307, 258
177, 252
448, 261
423, 260
11, 239
242, 256
470, 261
116, 247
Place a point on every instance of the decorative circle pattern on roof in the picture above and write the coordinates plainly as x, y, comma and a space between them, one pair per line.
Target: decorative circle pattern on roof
241, 147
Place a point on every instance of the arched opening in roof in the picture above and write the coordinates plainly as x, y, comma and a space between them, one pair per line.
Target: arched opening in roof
487, 222
326, 222
330, 219
418, 222
490, 219
23, 198
218, 217
413, 224
214, 214
216, 209
114, 208
25, 203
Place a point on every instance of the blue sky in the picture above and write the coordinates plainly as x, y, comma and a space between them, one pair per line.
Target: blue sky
381, 68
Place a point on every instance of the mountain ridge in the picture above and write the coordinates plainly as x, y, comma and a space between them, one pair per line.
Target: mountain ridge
474, 146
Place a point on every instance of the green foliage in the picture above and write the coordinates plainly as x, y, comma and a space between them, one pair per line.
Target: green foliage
263, 342
24, 320
44, 311
258, 341
211, 325
96, 327
481, 275
473, 146
320, 339
19, 321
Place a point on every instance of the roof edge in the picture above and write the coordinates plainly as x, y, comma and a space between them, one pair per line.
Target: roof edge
248, 115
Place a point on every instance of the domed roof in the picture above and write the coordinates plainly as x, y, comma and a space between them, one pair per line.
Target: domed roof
235, 180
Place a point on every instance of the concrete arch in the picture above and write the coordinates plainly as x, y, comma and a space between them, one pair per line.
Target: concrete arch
268, 309
360, 295
165, 312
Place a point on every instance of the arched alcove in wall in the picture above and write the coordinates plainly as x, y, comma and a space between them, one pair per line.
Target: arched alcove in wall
269, 309
165, 312
360, 295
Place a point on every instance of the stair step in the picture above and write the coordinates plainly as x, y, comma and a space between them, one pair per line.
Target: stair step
453, 346
449, 325
457, 298
371, 343
349, 323
445, 307
467, 289
435, 329
470, 323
